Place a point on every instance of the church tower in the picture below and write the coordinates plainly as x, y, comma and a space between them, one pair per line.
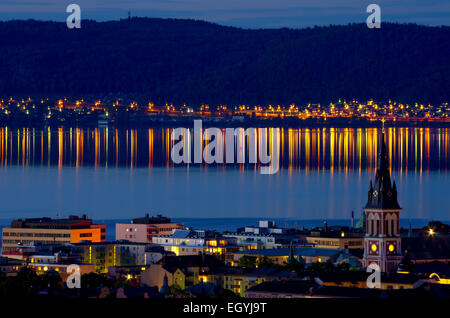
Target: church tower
382, 243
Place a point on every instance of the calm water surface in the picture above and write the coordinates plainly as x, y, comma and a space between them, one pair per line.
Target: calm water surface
112, 173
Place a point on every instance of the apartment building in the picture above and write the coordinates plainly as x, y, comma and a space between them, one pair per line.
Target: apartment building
141, 230
29, 232
109, 254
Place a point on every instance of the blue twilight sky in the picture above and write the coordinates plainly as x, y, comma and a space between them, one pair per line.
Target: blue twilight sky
241, 13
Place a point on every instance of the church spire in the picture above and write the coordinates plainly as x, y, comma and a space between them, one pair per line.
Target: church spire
382, 194
383, 164
382, 243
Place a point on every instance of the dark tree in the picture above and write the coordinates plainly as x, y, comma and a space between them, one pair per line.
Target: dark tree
194, 62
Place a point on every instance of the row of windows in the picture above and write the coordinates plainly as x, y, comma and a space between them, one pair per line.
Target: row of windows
258, 240
176, 242
336, 243
18, 234
9, 268
355, 243
50, 235
390, 228
327, 243
163, 229
187, 249
9, 249
27, 241
102, 249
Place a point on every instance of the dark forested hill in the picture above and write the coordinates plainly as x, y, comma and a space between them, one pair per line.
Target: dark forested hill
197, 62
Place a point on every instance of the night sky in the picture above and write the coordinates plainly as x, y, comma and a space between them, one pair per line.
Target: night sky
240, 13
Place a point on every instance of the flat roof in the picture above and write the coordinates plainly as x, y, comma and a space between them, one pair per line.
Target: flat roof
298, 251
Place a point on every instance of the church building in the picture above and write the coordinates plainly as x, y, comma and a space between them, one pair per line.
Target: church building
382, 242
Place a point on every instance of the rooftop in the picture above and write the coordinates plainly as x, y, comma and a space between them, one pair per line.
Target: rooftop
182, 234
361, 276
382, 193
172, 263
119, 242
253, 272
310, 289
430, 247
158, 219
299, 251
249, 234
72, 222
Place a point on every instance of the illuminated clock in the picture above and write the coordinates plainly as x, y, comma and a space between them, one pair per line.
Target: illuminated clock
374, 247
375, 193
391, 248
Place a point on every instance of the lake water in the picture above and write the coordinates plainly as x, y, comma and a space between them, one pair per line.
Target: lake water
123, 173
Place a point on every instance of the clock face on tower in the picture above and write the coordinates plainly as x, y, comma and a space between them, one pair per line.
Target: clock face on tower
391, 247
373, 248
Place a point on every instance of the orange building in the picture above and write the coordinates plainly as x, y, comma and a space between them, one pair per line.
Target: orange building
95, 233
27, 232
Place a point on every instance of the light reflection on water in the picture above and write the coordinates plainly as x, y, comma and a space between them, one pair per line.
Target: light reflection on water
334, 149
324, 173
